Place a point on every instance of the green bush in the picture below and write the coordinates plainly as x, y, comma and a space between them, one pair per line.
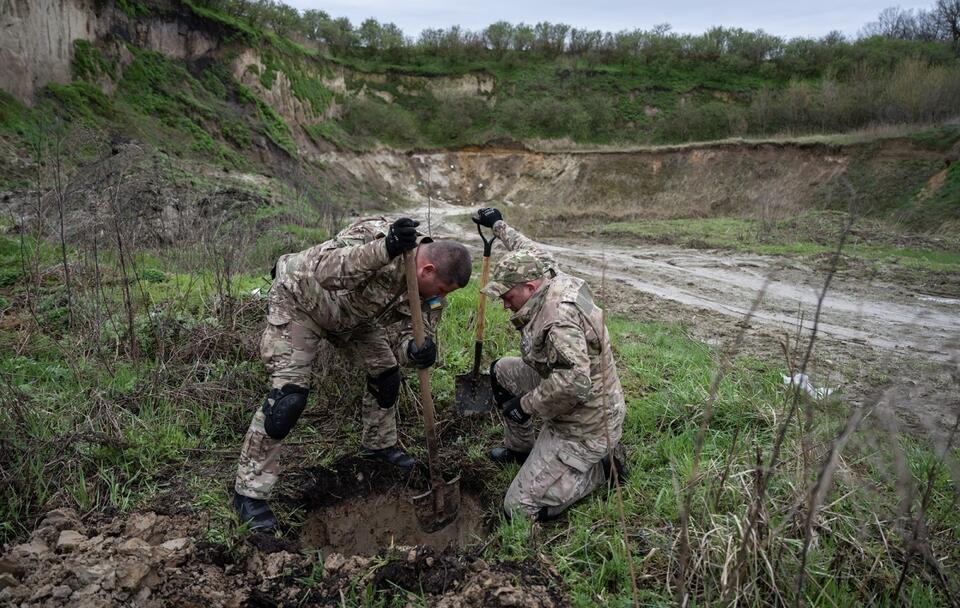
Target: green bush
386, 122
455, 117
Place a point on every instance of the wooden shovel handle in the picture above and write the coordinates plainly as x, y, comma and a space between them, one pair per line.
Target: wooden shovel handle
482, 307
419, 335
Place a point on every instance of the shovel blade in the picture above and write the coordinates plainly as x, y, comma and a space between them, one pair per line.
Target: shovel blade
432, 518
474, 394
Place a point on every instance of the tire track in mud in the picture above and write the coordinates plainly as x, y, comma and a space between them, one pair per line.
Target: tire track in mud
867, 327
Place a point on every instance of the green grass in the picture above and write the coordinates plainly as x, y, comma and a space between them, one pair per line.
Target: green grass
120, 432
89, 62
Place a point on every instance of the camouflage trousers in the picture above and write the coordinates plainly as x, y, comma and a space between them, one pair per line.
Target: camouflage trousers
559, 471
288, 351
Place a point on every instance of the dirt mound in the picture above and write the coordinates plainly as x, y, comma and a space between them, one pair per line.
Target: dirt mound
152, 559
448, 580
144, 560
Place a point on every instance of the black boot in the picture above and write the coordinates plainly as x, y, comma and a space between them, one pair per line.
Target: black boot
254, 511
392, 455
506, 456
619, 460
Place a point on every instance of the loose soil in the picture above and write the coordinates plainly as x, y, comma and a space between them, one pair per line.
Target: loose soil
364, 525
160, 558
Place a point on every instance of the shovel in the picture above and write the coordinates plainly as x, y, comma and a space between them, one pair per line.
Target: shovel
438, 506
474, 394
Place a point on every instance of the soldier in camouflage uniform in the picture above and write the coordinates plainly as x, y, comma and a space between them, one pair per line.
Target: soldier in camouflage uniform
350, 291
566, 375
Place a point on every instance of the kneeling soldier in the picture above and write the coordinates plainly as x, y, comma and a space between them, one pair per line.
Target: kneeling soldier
566, 375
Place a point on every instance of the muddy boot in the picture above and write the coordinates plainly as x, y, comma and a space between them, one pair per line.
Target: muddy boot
392, 455
619, 460
506, 456
254, 511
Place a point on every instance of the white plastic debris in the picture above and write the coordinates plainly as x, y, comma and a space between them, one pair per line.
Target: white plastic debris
255, 292
803, 381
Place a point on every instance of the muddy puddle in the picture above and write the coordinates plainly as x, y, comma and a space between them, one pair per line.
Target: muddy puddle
365, 525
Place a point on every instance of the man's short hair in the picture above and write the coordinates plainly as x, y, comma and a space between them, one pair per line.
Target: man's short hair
452, 261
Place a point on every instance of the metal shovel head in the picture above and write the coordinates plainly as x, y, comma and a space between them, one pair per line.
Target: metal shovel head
425, 505
474, 395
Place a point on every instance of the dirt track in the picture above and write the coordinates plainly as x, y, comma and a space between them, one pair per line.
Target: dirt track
868, 328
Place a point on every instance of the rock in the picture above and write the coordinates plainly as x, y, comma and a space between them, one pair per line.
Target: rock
275, 563
89, 574
63, 519
34, 548
132, 575
356, 562
109, 580
61, 592
135, 546
89, 590
509, 596
141, 525
334, 562
176, 544
69, 540
7, 580
94, 542
12, 596
9, 567
41, 592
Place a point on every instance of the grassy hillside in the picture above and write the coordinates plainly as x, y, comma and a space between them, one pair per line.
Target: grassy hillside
672, 89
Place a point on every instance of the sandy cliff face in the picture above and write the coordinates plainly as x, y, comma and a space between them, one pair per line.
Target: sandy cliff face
772, 181
36, 41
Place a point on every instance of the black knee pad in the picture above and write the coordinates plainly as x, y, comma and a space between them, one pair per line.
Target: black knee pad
288, 404
385, 387
500, 394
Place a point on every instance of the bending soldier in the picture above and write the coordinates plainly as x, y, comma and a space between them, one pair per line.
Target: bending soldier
566, 375
350, 291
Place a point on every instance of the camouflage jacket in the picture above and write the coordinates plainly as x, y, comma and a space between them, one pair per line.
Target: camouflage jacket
563, 337
348, 282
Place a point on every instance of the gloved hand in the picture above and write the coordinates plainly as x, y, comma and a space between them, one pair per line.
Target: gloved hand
487, 216
512, 410
425, 356
402, 236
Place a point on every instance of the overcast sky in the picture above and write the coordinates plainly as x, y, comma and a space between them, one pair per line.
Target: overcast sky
787, 18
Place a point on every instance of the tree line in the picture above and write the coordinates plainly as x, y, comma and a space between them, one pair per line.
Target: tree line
939, 24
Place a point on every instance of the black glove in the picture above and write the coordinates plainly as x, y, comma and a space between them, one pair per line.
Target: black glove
487, 216
512, 410
425, 356
402, 236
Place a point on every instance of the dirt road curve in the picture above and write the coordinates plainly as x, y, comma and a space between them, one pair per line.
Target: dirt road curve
866, 327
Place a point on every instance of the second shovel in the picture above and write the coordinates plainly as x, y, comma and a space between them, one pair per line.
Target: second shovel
474, 394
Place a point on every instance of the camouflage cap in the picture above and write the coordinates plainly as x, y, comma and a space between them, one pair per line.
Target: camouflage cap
517, 267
